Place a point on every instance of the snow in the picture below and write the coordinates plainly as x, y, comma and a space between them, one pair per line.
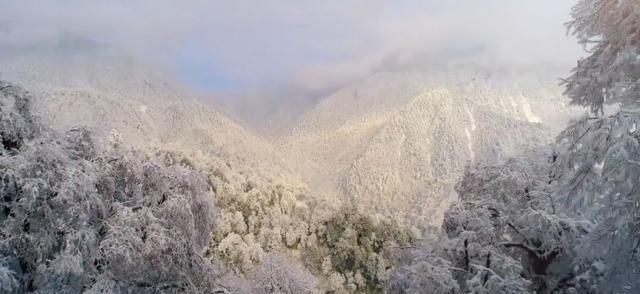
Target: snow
471, 118
470, 144
531, 117
598, 166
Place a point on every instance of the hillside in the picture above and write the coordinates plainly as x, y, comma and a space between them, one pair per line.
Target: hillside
142, 106
395, 144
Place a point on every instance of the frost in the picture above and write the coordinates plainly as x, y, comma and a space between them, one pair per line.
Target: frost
74, 218
277, 274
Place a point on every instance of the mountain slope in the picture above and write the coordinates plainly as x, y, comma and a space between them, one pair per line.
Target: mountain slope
118, 96
392, 144
395, 144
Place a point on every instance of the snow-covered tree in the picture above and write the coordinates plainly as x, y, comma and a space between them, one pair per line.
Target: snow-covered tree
422, 269
508, 233
74, 219
597, 169
259, 217
280, 275
596, 175
609, 30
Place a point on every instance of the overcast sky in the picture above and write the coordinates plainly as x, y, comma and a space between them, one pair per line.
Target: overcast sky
239, 44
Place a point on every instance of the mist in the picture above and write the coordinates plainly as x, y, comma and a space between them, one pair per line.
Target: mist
294, 52
288, 70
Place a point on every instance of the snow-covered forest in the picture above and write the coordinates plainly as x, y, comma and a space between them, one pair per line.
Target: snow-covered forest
84, 214
562, 219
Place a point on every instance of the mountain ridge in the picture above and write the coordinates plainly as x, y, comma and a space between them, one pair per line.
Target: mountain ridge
391, 157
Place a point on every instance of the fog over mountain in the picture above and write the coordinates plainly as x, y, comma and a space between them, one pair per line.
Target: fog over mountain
317, 147
280, 58
402, 134
109, 91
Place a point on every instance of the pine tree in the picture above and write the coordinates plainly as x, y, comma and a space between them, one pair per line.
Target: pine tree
609, 30
597, 170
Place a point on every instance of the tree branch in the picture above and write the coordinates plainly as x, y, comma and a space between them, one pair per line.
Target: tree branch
525, 247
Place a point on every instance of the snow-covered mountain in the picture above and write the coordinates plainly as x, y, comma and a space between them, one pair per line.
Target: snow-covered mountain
120, 97
395, 144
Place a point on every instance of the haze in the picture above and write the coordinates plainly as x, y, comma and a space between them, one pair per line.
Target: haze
300, 50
